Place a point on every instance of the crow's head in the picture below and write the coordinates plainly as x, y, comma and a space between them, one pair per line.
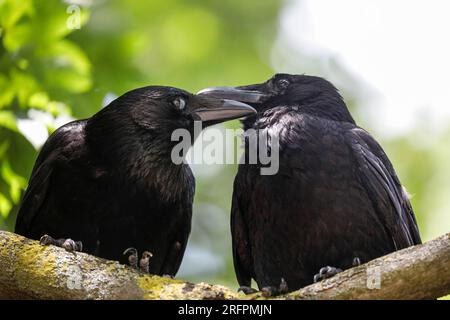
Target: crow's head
308, 94
143, 120
162, 109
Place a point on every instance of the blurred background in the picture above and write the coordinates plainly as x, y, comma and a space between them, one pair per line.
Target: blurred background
64, 60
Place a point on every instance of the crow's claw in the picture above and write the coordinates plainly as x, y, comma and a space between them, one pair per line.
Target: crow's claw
247, 290
71, 245
326, 272
283, 288
132, 258
356, 262
46, 240
68, 244
270, 291
145, 261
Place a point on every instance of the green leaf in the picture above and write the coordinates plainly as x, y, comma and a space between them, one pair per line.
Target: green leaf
24, 85
17, 36
16, 183
39, 100
8, 120
12, 10
67, 67
4, 145
52, 20
5, 206
6, 91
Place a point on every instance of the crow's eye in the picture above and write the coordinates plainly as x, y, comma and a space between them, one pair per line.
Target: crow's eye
179, 103
282, 83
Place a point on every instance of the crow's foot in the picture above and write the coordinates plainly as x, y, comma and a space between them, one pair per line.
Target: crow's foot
283, 288
68, 244
132, 258
270, 291
326, 272
356, 262
247, 290
145, 261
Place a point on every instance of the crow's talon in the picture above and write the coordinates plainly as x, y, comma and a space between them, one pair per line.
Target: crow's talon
316, 278
72, 246
46, 240
283, 288
356, 262
169, 276
145, 261
68, 244
268, 291
326, 272
247, 290
274, 291
132, 258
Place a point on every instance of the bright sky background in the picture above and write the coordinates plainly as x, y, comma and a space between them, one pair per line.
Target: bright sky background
394, 57
400, 48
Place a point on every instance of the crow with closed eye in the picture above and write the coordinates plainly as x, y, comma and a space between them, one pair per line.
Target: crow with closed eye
336, 200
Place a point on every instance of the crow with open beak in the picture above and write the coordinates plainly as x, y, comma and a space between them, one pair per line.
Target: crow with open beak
109, 181
336, 200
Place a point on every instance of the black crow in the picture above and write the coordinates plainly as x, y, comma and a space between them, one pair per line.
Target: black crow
335, 201
109, 181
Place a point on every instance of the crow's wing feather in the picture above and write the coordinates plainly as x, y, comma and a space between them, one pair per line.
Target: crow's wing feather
240, 245
385, 190
34, 197
38, 187
174, 257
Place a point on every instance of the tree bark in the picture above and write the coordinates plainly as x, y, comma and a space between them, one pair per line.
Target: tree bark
29, 270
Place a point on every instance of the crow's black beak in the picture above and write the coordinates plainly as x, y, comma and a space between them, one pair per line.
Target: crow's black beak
243, 94
212, 110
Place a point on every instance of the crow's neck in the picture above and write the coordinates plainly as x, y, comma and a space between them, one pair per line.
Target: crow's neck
268, 115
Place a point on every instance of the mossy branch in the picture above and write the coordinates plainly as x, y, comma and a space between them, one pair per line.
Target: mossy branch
31, 271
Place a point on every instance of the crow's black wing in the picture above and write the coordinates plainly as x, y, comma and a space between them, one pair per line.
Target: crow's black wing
54, 151
389, 198
242, 257
175, 253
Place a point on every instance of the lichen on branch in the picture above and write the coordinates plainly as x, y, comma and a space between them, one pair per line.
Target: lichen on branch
29, 270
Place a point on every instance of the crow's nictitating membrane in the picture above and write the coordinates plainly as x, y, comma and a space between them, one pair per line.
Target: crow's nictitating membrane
109, 181
336, 200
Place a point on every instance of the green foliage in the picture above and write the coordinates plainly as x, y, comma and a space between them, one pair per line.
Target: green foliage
421, 161
39, 69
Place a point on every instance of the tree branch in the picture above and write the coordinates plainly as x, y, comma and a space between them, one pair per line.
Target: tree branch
31, 271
